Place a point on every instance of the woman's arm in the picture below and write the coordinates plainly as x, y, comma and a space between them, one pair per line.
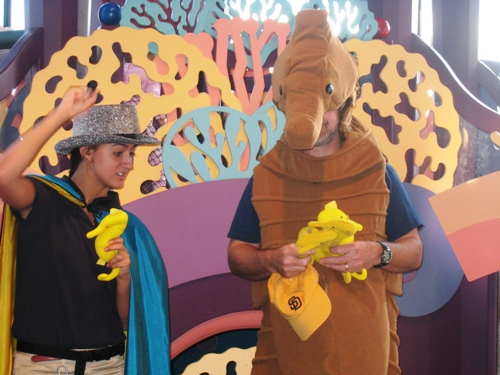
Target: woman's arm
121, 260
15, 190
123, 298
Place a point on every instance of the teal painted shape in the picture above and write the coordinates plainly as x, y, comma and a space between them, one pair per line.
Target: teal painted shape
259, 123
201, 18
179, 17
145, 15
351, 19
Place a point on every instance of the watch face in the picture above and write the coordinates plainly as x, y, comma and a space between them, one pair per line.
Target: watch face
386, 254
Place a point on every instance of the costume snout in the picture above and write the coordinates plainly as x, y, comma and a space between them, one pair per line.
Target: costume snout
313, 74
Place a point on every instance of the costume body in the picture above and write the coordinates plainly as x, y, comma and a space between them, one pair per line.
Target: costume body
290, 189
68, 307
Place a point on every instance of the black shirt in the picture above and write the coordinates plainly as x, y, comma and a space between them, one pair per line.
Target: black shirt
58, 299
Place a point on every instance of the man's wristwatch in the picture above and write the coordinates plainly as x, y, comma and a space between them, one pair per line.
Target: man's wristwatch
386, 255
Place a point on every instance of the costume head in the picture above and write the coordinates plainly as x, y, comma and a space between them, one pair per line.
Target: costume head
102, 124
314, 74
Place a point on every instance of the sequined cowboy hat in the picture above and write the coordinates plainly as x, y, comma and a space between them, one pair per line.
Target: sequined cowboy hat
115, 123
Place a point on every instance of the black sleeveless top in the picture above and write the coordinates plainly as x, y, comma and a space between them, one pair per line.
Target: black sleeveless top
58, 299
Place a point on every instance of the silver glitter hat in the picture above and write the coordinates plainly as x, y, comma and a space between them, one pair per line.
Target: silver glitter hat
116, 123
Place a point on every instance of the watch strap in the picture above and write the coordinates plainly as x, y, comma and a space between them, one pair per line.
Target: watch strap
386, 255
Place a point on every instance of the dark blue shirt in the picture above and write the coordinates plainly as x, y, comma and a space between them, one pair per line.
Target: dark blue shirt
402, 217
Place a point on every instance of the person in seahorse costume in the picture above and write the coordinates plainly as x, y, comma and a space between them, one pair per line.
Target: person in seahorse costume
63, 319
325, 154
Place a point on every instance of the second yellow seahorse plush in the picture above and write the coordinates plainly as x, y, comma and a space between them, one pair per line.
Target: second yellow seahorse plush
333, 228
110, 227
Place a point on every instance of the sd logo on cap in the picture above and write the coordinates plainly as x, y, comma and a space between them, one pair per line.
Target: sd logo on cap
300, 300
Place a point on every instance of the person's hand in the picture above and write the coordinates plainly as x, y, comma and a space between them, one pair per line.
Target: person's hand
76, 99
354, 256
288, 262
121, 259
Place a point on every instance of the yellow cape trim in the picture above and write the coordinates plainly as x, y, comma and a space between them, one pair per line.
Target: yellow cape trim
60, 190
7, 277
7, 286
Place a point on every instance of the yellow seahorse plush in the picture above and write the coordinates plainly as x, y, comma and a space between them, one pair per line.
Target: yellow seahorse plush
333, 228
110, 227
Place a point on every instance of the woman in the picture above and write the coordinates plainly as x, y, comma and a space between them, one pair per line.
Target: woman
65, 320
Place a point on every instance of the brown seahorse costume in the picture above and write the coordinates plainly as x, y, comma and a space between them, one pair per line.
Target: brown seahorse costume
290, 189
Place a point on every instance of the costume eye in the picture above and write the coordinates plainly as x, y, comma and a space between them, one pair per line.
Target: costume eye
281, 90
329, 89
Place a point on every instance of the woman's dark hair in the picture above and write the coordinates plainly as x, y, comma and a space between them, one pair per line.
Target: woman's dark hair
75, 158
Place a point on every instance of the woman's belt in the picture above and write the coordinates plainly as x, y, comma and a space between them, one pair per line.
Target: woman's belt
80, 356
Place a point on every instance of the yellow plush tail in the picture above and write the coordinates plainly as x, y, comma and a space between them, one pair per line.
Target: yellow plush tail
357, 275
109, 276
